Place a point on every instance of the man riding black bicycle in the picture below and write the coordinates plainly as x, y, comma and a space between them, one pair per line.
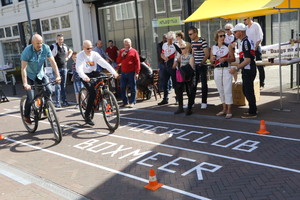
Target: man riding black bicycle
86, 67
32, 60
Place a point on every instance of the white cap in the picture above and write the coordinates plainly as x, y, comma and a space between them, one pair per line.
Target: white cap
239, 27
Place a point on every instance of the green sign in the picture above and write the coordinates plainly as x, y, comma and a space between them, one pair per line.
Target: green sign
172, 21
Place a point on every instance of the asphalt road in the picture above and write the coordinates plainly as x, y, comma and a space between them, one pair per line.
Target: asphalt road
195, 157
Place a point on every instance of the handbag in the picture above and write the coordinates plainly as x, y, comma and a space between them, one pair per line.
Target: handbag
179, 78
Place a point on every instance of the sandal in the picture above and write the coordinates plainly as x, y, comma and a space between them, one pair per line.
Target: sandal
220, 113
228, 116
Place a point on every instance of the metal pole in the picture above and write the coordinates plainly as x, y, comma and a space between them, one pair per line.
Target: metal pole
137, 26
29, 19
280, 73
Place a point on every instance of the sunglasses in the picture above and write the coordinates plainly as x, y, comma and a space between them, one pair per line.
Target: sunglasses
182, 48
222, 35
227, 29
89, 48
191, 33
245, 19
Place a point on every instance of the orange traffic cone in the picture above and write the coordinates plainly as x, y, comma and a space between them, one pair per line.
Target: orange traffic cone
1, 137
153, 184
262, 128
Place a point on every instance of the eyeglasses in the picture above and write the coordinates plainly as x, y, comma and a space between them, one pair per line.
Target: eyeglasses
90, 48
222, 35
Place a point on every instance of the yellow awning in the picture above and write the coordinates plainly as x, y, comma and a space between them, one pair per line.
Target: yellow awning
237, 9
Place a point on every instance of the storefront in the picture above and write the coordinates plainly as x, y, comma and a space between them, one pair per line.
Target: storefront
146, 21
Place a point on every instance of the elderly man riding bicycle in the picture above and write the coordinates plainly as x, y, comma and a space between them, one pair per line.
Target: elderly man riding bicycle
32, 60
86, 66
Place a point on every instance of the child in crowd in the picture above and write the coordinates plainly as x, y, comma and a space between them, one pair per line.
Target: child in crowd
76, 79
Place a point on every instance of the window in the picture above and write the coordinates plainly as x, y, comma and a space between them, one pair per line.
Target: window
2, 33
6, 2
54, 23
8, 32
160, 6
65, 21
45, 25
126, 11
15, 30
175, 5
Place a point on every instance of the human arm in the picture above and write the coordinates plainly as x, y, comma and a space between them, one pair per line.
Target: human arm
24, 75
103, 63
55, 68
70, 52
212, 56
206, 52
192, 62
138, 65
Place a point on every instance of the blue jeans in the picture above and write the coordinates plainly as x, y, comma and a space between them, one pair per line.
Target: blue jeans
30, 93
128, 79
60, 89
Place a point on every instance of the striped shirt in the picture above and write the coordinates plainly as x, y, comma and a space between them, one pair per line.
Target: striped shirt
198, 47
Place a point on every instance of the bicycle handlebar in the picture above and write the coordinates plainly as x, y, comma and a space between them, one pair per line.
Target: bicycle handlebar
43, 85
100, 78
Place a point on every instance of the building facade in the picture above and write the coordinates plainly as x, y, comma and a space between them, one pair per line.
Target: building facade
144, 21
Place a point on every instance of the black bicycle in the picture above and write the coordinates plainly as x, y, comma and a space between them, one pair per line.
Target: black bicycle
104, 99
41, 108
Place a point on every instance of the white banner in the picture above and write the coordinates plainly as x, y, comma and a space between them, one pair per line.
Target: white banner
288, 51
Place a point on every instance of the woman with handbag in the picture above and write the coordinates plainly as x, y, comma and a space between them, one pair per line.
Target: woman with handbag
220, 56
185, 77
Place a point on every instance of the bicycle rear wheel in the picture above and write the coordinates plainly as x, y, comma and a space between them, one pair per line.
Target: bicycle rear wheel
83, 100
54, 122
31, 128
110, 110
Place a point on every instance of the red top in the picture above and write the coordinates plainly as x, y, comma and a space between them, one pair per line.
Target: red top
130, 62
112, 52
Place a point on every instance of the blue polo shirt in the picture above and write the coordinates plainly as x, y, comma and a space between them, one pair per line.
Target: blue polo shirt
35, 61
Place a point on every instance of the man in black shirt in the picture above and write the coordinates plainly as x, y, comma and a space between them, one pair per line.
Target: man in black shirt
61, 54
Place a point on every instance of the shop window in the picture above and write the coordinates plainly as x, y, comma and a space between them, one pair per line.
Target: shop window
54, 23
65, 21
176, 5
8, 32
160, 6
45, 25
2, 33
15, 31
6, 2
126, 11
11, 52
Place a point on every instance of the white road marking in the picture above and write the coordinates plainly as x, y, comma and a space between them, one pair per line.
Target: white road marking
15, 177
182, 148
109, 169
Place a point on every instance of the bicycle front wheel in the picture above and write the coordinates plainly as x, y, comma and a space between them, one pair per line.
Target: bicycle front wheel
83, 100
54, 122
31, 128
110, 110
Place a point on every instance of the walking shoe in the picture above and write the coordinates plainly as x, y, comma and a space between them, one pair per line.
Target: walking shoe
65, 103
124, 105
249, 116
57, 106
186, 106
203, 106
163, 102
130, 105
76, 106
180, 110
27, 120
188, 112
89, 121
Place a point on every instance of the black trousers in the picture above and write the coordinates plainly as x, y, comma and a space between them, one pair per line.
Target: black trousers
248, 77
261, 69
201, 74
92, 93
167, 73
179, 93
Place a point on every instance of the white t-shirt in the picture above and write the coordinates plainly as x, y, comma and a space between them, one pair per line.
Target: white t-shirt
229, 39
254, 33
220, 52
87, 64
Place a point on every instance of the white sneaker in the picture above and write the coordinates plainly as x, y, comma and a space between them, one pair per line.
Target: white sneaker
130, 105
203, 105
